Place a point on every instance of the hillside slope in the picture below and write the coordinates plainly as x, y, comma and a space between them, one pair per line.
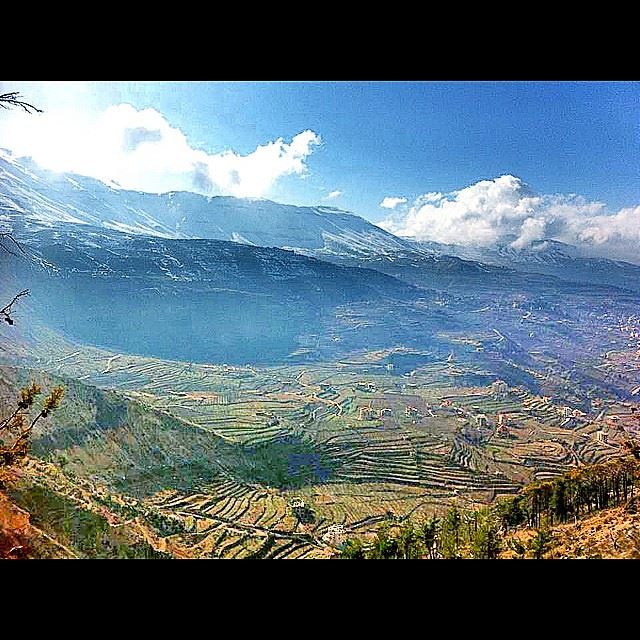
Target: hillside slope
612, 533
100, 463
194, 300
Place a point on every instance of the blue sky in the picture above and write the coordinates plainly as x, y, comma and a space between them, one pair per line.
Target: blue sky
401, 139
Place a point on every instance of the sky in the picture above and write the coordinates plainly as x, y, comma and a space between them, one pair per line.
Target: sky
473, 162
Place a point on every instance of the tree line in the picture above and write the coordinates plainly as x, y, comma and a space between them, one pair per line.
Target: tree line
572, 495
482, 533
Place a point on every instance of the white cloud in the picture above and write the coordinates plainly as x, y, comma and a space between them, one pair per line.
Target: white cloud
139, 149
332, 195
506, 211
392, 203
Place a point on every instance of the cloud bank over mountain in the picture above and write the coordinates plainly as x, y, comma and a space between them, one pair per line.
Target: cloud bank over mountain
505, 210
140, 150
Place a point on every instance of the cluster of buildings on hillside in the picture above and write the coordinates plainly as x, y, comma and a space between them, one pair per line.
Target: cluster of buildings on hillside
412, 412
478, 424
498, 389
571, 417
370, 413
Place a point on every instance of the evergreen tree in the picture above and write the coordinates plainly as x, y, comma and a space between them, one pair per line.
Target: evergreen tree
353, 550
539, 544
429, 535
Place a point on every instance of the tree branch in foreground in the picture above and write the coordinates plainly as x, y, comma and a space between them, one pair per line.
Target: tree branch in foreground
19, 426
5, 312
12, 99
4, 236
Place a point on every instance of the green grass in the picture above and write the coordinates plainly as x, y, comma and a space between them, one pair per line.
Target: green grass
88, 534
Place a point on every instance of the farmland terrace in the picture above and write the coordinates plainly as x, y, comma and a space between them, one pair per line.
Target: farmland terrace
381, 435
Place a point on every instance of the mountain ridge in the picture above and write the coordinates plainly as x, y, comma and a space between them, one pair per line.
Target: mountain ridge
35, 198
44, 198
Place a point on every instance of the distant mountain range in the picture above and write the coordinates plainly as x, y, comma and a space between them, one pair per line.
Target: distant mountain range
187, 299
184, 276
548, 257
35, 196
31, 197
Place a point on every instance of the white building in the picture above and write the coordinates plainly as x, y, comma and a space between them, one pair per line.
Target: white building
499, 388
411, 412
335, 535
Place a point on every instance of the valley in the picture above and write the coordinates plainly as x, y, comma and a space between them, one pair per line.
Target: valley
240, 390
380, 436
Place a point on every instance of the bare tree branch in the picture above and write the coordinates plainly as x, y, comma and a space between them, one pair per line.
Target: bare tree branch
4, 236
6, 312
12, 99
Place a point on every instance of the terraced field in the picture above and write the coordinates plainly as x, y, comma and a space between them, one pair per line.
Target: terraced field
378, 442
233, 520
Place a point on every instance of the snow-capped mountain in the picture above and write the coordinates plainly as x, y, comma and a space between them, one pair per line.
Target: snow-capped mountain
548, 257
32, 195
32, 198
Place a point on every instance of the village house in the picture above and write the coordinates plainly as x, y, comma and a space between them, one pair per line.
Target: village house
386, 411
365, 413
614, 421
411, 411
502, 431
499, 388
481, 420
335, 535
